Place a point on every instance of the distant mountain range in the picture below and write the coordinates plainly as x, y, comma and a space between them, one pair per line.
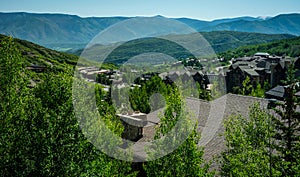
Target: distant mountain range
63, 32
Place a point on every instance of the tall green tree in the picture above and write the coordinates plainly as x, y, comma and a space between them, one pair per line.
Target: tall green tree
140, 96
187, 159
287, 124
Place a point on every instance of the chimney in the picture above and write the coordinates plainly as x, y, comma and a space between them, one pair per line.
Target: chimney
272, 79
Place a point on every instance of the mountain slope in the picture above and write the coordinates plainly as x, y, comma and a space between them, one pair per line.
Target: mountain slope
199, 25
53, 28
225, 40
285, 47
41, 56
219, 41
281, 24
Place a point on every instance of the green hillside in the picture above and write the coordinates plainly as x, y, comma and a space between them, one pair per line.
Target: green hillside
285, 47
226, 40
220, 41
41, 56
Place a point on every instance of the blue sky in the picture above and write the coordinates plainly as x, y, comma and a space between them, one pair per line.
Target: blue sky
199, 9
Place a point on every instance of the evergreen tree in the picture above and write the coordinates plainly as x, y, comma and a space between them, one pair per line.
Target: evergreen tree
287, 124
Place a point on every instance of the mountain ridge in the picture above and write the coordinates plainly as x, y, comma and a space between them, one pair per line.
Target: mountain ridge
54, 29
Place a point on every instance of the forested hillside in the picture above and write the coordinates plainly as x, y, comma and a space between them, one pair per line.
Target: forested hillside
219, 41
222, 41
33, 54
285, 47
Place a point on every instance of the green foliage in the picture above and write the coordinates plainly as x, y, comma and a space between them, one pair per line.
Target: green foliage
187, 159
285, 47
222, 41
103, 79
218, 89
249, 89
15, 154
39, 133
248, 142
37, 55
136, 47
139, 97
192, 62
288, 128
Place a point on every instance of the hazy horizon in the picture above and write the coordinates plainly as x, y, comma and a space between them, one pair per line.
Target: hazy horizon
194, 9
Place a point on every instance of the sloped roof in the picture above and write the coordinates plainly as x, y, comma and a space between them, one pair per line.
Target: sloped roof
211, 116
251, 72
261, 63
261, 54
234, 104
277, 91
210, 119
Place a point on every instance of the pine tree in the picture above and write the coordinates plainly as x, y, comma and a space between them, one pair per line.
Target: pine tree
287, 124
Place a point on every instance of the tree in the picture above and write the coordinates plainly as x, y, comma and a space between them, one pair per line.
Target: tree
249, 89
248, 145
139, 96
39, 134
246, 87
287, 124
187, 159
258, 91
66, 150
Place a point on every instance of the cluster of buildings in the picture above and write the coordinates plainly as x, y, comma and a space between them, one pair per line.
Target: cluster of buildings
260, 68
116, 76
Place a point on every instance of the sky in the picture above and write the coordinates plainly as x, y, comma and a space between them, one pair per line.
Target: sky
197, 9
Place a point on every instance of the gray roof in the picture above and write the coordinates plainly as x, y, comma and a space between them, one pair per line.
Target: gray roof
277, 91
233, 104
210, 119
261, 54
251, 72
